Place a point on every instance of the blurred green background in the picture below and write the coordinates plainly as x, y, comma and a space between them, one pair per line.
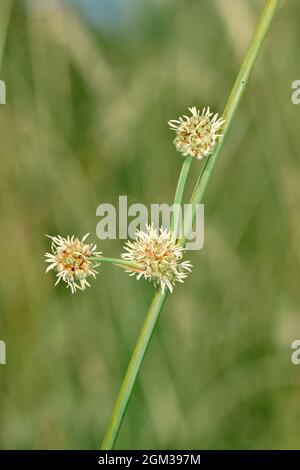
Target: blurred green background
89, 91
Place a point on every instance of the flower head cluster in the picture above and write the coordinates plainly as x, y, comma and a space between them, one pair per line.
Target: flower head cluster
72, 259
196, 135
158, 256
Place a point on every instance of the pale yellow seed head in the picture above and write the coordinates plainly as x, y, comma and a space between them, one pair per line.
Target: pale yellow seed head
159, 257
71, 259
196, 135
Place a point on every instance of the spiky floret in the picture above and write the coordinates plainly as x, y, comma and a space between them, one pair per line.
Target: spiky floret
159, 257
196, 135
71, 259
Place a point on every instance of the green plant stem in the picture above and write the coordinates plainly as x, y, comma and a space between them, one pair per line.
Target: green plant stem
179, 193
118, 262
133, 369
232, 104
159, 298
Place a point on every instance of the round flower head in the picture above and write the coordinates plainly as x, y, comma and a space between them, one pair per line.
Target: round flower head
71, 259
158, 256
196, 135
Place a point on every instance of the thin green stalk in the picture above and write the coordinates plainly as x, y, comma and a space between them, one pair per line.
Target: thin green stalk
159, 298
147, 329
118, 262
133, 369
179, 193
232, 103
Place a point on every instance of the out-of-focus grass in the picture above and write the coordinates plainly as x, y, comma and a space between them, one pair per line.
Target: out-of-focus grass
85, 121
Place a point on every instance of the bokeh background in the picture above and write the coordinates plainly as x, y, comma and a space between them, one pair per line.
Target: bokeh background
90, 86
